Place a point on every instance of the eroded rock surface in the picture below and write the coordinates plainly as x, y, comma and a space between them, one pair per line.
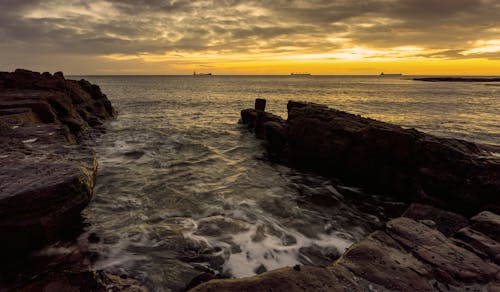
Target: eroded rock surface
47, 173
431, 247
384, 158
404, 256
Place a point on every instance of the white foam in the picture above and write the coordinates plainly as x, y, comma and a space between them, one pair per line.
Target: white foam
270, 250
30, 140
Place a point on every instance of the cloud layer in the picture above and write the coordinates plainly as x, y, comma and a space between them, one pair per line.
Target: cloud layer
195, 32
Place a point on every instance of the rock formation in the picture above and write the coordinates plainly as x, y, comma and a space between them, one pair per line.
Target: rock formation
47, 173
383, 158
428, 248
407, 255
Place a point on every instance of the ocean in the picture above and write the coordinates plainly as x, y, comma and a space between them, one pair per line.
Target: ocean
183, 188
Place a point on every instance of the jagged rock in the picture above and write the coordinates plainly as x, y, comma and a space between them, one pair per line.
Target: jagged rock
84, 281
405, 256
445, 221
449, 173
53, 99
487, 223
46, 176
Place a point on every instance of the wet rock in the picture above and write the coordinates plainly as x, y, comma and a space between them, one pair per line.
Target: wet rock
257, 121
260, 104
307, 278
47, 175
39, 199
487, 223
478, 243
201, 278
383, 158
219, 225
451, 263
445, 221
83, 281
317, 255
404, 256
380, 259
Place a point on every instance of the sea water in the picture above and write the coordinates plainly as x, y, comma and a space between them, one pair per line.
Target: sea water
183, 188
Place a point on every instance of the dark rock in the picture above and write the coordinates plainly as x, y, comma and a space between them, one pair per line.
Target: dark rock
487, 223
405, 256
381, 260
446, 222
455, 264
257, 121
479, 243
383, 158
83, 281
46, 178
317, 255
309, 278
59, 75
201, 278
260, 104
38, 200
248, 117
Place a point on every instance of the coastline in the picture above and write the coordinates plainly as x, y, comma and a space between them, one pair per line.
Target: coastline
425, 249
48, 172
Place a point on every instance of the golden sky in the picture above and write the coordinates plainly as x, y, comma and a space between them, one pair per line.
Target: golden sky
252, 37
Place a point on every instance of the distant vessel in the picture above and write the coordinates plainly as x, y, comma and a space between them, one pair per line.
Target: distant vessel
201, 74
300, 74
391, 75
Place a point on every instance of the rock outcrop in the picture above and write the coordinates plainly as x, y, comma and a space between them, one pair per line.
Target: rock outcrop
407, 255
428, 248
383, 158
47, 173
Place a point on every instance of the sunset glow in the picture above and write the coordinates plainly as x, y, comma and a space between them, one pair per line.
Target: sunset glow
253, 37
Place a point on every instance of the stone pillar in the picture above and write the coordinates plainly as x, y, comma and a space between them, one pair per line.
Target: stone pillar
260, 104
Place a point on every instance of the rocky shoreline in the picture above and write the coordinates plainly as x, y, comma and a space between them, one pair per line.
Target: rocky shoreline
432, 246
48, 171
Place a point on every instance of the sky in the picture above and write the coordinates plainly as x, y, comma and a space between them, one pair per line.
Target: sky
439, 37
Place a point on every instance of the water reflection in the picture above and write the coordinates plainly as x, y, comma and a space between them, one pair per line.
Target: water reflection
183, 188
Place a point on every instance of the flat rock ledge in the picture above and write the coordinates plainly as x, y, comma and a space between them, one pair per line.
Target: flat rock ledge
47, 172
406, 255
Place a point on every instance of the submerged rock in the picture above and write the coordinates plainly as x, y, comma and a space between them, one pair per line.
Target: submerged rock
383, 158
47, 173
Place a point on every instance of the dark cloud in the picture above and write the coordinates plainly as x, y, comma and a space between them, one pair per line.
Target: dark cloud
130, 27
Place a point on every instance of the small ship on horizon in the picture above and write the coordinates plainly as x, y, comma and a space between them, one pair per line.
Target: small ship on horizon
390, 75
201, 74
300, 74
